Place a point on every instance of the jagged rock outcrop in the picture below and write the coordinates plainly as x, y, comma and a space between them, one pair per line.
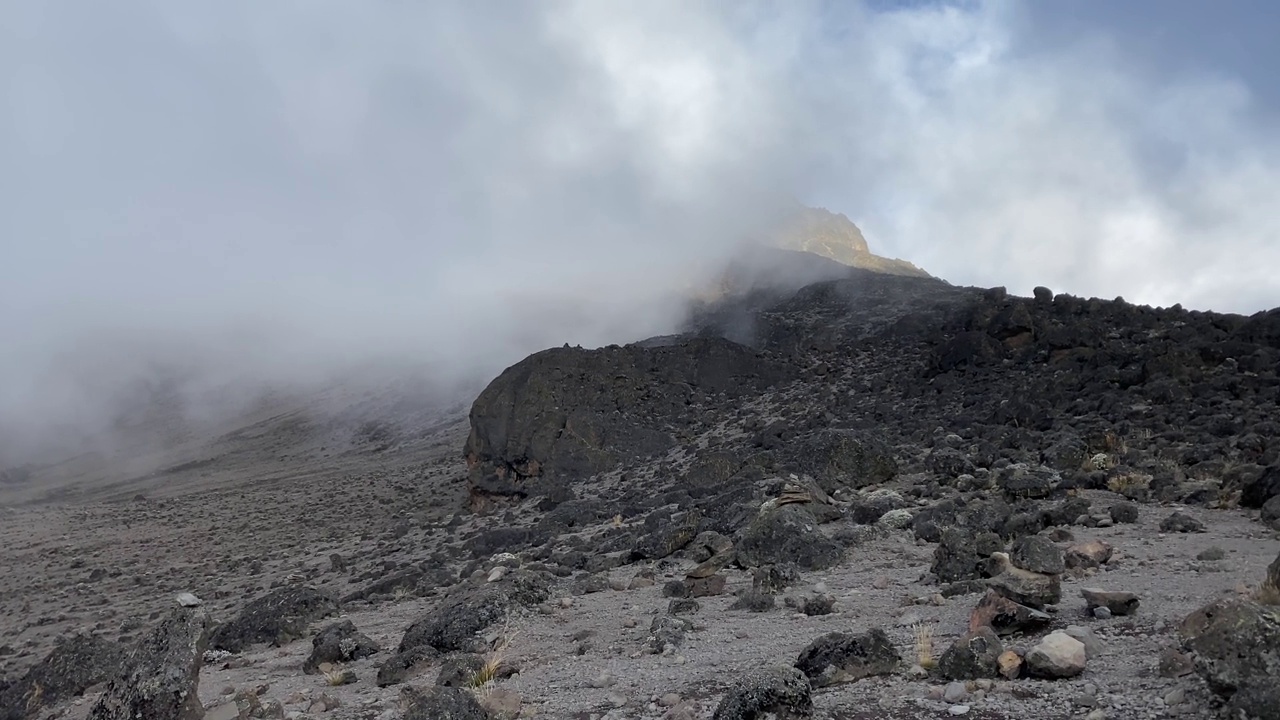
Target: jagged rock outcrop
563, 415
77, 663
1236, 647
162, 673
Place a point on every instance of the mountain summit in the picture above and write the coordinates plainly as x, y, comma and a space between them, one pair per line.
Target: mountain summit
833, 235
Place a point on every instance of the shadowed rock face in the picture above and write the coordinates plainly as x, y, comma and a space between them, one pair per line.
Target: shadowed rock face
162, 673
1236, 647
563, 415
78, 663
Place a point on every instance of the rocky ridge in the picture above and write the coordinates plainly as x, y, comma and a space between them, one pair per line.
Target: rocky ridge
869, 496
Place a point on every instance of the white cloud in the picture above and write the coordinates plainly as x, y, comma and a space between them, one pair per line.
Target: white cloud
459, 183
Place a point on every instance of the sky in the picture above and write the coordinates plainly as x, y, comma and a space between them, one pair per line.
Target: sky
280, 191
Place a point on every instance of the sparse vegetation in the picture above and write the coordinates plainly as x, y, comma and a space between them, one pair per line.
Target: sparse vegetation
1268, 593
1129, 484
495, 659
924, 645
335, 677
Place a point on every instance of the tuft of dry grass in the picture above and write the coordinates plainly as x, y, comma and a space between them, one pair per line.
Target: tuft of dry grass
495, 658
924, 645
1268, 593
335, 677
1129, 484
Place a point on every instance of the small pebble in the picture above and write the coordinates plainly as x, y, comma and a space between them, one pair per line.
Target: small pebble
958, 710
1102, 613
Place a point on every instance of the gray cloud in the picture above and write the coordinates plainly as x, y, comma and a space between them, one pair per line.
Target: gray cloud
270, 193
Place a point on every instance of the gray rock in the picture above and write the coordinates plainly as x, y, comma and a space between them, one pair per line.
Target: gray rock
1180, 522
1057, 655
1027, 588
667, 631
162, 673
459, 670
442, 703
405, 665
753, 601
1124, 512
838, 458
278, 618
784, 691
961, 554
1037, 554
1092, 644
471, 609
338, 643
787, 534
774, 578
1235, 644
74, 665
1118, 602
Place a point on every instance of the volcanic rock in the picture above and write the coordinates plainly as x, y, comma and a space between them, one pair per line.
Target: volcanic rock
784, 691
974, 655
563, 415
277, 618
840, 657
77, 663
1236, 647
338, 643
1037, 554
442, 703
787, 534
162, 673
453, 625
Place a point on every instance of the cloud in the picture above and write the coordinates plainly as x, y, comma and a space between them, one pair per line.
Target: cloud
965, 146
275, 192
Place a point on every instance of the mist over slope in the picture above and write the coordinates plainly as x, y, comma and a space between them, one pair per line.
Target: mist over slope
138, 405
213, 204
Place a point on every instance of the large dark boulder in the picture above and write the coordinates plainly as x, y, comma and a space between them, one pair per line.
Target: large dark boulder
787, 534
278, 618
1257, 493
1236, 647
338, 643
75, 664
962, 554
162, 675
782, 691
841, 657
443, 703
974, 655
842, 459
453, 625
563, 415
